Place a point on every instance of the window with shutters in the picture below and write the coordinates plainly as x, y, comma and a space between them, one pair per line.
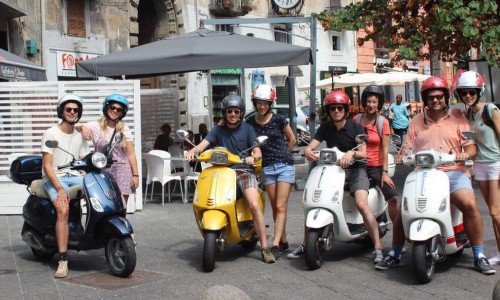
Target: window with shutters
75, 11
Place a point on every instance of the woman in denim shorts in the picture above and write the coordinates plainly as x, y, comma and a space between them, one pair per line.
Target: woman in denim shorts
278, 168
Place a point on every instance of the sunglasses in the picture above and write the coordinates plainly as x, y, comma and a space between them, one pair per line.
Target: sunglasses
465, 93
72, 109
116, 108
231, 111
340, 108
437, 97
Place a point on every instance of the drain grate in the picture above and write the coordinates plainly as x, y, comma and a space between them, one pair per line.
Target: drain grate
108, 281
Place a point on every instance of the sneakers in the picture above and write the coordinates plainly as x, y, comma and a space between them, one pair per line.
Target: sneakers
62, 269
267, 256
495, 260
388, 261
284, 246
378, 256
404, 250
275, 250
483, 266
297, 253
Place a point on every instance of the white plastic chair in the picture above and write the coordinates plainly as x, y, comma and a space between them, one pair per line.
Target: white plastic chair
176, 151
193, 176
159, 171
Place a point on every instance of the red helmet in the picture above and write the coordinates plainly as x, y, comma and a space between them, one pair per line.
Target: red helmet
337, 97
435, 83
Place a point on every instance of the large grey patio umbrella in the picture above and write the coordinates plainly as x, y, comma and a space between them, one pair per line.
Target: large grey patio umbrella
199, 50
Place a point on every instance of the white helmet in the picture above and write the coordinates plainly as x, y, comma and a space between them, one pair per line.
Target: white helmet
264, 92
471, 80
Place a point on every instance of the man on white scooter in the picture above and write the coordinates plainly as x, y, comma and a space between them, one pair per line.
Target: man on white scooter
237, 136
341, 133
437, 127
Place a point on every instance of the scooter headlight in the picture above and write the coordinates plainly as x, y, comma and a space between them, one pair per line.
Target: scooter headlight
99, 160
328, 156
424, 160
219, 158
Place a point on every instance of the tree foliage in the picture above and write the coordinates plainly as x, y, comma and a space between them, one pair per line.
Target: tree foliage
449, 28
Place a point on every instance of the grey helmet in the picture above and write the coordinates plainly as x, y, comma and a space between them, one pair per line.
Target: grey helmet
69, 98
233, 100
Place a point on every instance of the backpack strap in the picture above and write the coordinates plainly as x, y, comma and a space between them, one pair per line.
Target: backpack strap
485, 115
380, 122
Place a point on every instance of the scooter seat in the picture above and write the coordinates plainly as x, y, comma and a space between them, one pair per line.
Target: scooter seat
38, 190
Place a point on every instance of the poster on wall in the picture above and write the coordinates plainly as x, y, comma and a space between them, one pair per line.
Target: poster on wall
258, 78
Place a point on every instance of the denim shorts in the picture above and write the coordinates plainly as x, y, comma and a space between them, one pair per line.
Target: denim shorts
66, 181
486, 171
458, 180
278, 172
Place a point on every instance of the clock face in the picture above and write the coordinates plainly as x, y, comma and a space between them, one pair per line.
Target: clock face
287, 4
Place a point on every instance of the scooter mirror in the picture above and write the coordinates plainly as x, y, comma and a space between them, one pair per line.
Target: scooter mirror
182, 134
395, 139
118, 137
361, 138
51, 144
260, 140
468, 135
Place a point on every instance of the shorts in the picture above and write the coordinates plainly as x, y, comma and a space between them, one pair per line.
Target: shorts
458, 180
246, 179
376, 174
278, 172
357, 179
66, 181
486, 171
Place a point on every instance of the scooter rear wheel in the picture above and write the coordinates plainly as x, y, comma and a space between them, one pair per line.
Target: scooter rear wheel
209, 251
120, 256
313, 250
423, 263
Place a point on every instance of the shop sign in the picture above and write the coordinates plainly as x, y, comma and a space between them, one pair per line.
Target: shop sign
227, 71
66, 62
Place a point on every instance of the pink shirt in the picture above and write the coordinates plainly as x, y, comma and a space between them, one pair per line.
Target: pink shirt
374, 155
440, 136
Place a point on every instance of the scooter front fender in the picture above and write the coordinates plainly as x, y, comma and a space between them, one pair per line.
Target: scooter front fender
113, 226
318, 218
213, 220
423, 229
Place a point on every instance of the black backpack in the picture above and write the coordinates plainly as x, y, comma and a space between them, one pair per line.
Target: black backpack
485, 115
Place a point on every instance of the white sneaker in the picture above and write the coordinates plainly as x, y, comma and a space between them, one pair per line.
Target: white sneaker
62, 269
495, 260
378, 256
404, 250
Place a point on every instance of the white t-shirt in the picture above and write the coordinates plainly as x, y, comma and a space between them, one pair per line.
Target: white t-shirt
73, 143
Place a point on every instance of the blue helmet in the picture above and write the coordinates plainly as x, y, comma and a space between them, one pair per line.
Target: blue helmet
115, 98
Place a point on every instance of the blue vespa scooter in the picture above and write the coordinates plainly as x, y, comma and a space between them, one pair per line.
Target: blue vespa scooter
105, 224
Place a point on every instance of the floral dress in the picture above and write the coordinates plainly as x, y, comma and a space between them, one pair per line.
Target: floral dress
121, 170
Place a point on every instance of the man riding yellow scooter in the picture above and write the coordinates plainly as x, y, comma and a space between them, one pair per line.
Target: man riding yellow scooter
222, 218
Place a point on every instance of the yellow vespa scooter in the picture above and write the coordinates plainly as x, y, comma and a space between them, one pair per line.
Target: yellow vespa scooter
220, 211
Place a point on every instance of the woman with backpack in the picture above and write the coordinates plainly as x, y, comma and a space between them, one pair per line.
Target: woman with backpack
484, 119
377, 156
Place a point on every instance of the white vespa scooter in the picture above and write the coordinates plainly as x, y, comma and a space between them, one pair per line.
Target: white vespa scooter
430, 221
331, 214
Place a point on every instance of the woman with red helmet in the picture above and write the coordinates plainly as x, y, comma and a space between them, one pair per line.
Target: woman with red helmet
278, 164
470, 89
438, 128
341, 132
102, 131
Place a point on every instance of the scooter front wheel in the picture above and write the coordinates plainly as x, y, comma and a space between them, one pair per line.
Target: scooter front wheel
209, 251
423, 263
313, 250
120, 256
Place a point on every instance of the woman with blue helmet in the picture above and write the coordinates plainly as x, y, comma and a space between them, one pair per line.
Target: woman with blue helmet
125, 170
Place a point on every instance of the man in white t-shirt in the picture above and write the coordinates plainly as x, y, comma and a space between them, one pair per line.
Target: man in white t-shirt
57, 182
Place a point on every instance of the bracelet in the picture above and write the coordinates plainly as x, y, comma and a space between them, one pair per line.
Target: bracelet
385, 171
199, 151
135, 175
